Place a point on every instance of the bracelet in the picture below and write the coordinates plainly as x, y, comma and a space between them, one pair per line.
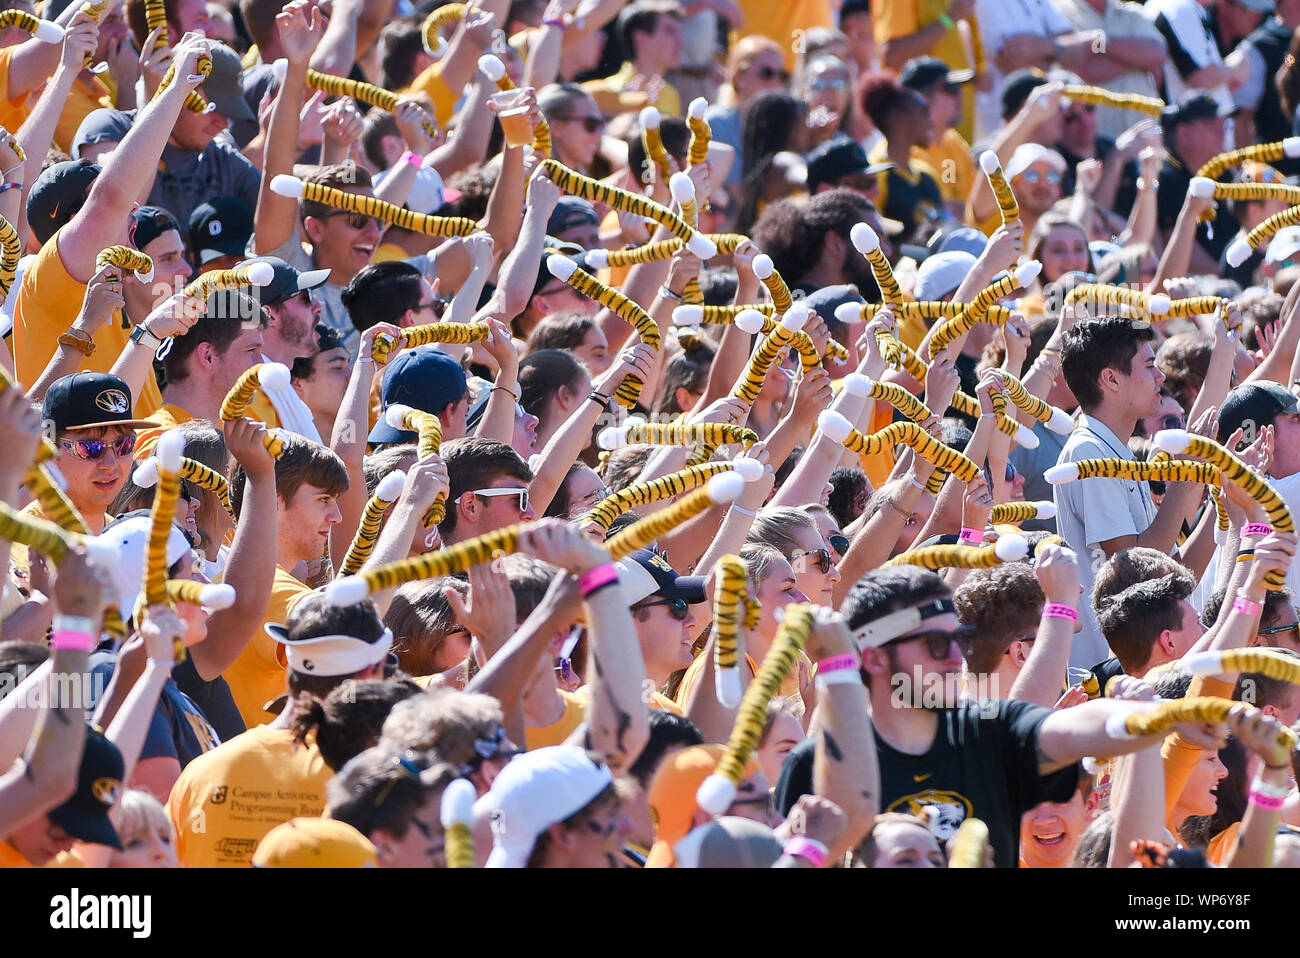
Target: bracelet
988, 415
1270, 803
73, 623
1245, 606
11, 186
914, 481
507, 390
809, 849
415, 159
596, 397
553, 22
166, 664
1245, 555
838, 663
1257, 529
71, 640
597, 578
365, 359
973, 536
844, 677
947, 21
85, 346
742, 510
669, 294
893, 505
1273, 791
1059, 610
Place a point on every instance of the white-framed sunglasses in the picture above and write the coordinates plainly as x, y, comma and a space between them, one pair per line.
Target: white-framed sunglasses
520, 491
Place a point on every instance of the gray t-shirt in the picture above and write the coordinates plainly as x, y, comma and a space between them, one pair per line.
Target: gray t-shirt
333, 313
1092, 511
185, 179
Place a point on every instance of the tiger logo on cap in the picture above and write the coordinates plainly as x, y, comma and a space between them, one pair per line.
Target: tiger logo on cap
112, 400
106, 791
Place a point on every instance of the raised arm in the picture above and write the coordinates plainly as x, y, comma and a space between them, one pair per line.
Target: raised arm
1056, 568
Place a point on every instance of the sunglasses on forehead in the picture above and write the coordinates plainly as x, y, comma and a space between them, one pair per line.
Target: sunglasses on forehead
93, 449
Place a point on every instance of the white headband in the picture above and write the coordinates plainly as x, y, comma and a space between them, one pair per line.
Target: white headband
332, 655
879, 631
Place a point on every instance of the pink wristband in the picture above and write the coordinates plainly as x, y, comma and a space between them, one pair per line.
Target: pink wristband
801, 846
973, 536
72, 641
415, 159
1245, 606
1268, 802
596, 578
838, 663
1257, 529
1059, 610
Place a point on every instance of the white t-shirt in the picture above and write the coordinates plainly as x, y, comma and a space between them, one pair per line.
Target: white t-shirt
1186, 29
999, 19
1288, 487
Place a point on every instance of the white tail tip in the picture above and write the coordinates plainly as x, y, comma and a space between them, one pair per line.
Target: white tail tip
751, 470
598, 258
169, 451
1291, 146
394, 414
1158, 304
1238, 252
1209, 662
458, 803
697, 108
1011, 548
274, 376
748, 321
688, 315
147, 475
1046, 509
1061, 473
762, 266
217, 595
715, 795
649, 118
795, 317
282, 184
834, 425
1172, 440
849, 313
989, 162
49, 32
492, 67
856, 384
348, 590
702, 246
561, 267
146, 275
682, 187
1028, 273
260, 274
1201, 187
390, 487
1024, 437
726, 487
864, 238
612, 437
727, 687
1060, 423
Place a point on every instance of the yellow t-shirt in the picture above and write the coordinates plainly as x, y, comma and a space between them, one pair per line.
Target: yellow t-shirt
226, 800
18, 561
167, 416
13, 110
950, 158
83, 99
388, 253
608, 92
789, 688
901, 18
443, 97
575, 713
785, 21
46, 306
258, 675
11, 857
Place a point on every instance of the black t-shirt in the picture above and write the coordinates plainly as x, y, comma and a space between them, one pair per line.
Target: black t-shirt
1104, 146
984, 762
1213, 237
214, 698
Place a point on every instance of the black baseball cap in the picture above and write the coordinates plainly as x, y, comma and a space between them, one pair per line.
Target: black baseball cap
921, 73
1016, 89
1193, 105
838, 157
286, 280
99, 785
1257, 402
222, 85
423, 378
571, 211
552, 245
827, 299
220, 227
56, 196
90, 401
150, 223
645, 573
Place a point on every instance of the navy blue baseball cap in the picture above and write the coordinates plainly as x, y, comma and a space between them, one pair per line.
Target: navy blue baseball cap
423, 378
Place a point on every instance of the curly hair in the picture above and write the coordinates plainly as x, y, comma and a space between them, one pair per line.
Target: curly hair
1003, 604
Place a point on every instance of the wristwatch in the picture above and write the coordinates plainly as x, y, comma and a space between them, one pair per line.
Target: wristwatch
145, 338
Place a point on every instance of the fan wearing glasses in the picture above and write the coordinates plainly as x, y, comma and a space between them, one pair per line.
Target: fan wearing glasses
1035, 173
95, 439
661, 602
489, 489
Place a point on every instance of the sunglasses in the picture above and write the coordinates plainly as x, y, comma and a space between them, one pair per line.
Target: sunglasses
839, 83
94, 449
1171, 422
824, 560
771, 73
485, 749
592, 124
358, 221
839, 543
937, 641
519, 491
1033, 176
677, 608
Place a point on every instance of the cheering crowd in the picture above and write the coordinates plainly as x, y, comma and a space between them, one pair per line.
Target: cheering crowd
667, 433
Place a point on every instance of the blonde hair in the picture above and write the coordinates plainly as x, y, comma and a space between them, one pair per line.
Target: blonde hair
746, 48
138, 812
